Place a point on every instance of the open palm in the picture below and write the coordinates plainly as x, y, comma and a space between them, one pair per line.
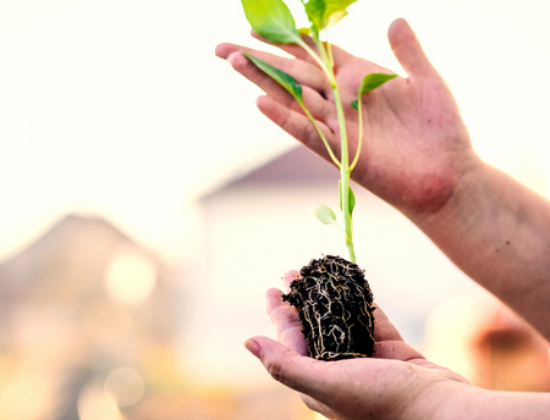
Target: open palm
415, 146
396, 383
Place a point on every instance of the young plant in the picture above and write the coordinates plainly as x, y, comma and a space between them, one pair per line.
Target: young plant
272, 20
333, 299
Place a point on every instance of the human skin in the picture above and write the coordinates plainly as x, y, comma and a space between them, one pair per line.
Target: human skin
398, 383
417, 156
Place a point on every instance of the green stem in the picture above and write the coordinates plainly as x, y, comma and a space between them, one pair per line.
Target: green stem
318, 60
360, 140
324, 53
345, 170
330, 152
326, 64
344, 175
329, 51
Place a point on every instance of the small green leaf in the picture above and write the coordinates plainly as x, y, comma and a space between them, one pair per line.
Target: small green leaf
305, 31
373, 80
337, 17
323, 213
284, 79
370, 82
323, 13
351, 198
315, 10
272, 20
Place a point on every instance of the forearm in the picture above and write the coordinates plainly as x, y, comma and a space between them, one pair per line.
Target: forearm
471, 403
498, 232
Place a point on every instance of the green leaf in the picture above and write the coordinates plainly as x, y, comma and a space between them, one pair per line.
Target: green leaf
284, 79
305, 31
323, 13
370, 82
337, 17
315, 10
272, 20
373, 80
323, 213
351, 198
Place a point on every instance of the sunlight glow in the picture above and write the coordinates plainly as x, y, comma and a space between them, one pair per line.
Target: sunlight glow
131, 277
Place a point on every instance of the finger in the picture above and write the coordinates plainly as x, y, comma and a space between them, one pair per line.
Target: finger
293, 370
291, 316
286, 323
288, 278
318, 106
396, 350
299, 126
408, 51
305, 73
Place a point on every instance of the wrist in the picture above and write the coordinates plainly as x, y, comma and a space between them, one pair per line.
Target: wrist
472, 403
467, 189
444, 400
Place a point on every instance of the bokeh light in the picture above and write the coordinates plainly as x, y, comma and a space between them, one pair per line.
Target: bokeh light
130, 277
126, 385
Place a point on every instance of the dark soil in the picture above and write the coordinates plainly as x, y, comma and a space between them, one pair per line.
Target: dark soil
334, 302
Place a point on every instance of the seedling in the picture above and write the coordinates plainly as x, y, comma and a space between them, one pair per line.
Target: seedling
272, 20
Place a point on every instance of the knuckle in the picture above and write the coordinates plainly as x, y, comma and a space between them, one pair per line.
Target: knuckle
275, 369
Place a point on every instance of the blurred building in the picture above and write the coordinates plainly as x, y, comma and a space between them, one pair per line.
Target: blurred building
90, 328
81, 302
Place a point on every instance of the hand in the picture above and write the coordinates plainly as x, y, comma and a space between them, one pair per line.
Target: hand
415, 149
398, 383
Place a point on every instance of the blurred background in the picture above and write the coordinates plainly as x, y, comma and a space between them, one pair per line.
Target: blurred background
147, 205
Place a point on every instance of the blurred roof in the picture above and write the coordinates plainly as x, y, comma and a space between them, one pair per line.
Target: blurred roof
297, 166
66, 261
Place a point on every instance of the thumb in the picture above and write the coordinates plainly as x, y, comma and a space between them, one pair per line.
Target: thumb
301, 373
408, 51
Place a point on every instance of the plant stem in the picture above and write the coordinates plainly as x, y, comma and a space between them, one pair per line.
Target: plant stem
324, 67
325, 141
344, 175
329, 51
344, 152
326, 63
360, 140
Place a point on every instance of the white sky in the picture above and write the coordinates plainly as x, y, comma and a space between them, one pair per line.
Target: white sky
120, 107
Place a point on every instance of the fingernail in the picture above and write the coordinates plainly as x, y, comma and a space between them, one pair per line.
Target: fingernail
234, 55
253, 347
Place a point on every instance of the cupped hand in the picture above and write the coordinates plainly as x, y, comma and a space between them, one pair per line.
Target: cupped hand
416, 148
398, 383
